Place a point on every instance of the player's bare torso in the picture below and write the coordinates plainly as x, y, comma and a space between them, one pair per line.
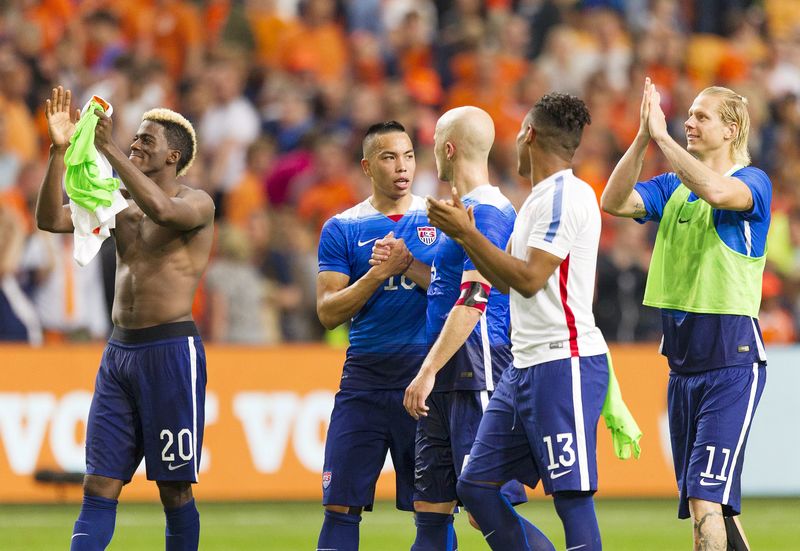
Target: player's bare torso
158, 268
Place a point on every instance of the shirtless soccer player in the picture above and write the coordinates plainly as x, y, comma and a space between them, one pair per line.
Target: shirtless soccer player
150, 389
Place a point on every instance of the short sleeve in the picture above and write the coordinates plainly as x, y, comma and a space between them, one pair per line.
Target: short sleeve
655, 193
558, 222
494, 225
333, 250
761, 190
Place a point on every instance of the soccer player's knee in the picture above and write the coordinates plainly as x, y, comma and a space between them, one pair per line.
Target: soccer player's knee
470, 493
570, 503
101, 486
344, 510
175, 494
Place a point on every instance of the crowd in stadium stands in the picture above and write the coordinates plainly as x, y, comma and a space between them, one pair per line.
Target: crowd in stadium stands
281, 91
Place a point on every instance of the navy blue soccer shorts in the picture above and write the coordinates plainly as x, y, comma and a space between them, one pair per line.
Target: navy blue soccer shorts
709, 420
541, 424
149, 401
365, 425
444, 440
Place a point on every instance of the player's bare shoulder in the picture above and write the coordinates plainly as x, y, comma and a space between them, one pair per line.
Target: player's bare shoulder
201, 200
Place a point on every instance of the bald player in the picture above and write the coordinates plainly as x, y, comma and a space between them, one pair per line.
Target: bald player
150, 390
467, 328
385, 305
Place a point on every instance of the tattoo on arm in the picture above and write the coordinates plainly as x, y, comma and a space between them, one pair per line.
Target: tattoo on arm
639, 210
706, 538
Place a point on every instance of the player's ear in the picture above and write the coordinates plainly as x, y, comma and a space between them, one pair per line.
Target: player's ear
731, 130
173, 156
449, 150
365, 168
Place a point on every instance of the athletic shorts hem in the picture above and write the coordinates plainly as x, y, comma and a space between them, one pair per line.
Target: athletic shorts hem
108, 474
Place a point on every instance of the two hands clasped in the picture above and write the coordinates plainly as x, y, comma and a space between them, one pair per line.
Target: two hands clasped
451, 217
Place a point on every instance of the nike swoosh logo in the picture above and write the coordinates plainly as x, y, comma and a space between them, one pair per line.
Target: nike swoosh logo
704, 482
172, 467
489, 534
79, 534
559, 475
480, 299
576, 547
682, 221
362, 243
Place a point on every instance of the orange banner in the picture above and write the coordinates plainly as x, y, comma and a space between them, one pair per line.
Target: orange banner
267, 412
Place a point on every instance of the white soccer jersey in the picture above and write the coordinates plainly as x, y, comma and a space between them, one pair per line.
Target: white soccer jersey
561, 217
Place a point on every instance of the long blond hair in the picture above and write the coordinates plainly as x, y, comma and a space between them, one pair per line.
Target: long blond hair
733, 109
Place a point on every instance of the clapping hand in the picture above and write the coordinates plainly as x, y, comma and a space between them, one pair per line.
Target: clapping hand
450, 215
60, 120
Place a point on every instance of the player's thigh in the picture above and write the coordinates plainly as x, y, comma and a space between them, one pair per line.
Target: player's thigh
568, 396
466, 412
113, 428
356, 444
170, 397
501, 451
725, 413
434, 471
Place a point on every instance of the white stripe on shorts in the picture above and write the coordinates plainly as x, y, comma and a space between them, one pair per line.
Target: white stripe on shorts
484, 399
580, 430
487, 354
762, 354
193, 369
748, 416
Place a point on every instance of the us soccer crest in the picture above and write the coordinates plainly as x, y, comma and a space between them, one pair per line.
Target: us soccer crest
326, 479
426, 234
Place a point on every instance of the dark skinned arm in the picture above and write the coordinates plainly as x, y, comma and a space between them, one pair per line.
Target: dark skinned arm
184, 211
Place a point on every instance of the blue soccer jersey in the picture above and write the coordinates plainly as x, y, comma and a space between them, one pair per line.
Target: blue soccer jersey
699, 342
478, 364
387, 336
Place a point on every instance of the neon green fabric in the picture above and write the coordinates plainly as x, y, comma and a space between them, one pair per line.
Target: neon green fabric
625, 433
693, 270
84, 183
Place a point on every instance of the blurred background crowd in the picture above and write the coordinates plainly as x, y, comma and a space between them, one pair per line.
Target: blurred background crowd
281, 91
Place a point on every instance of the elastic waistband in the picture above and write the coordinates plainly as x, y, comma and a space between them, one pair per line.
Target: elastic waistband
155, 333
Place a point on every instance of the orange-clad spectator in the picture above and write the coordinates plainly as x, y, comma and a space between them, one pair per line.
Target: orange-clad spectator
485, 83
249, 195
215, 17
51, 17
168, 30
331, 188
411, 43
317, 45
15, 81
268, 26
9, 159
783, 17
777, 325
368, 63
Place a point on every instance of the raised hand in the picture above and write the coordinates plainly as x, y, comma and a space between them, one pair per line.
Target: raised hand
60, 121
103, 130
644, 110
450, 216
656, 120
